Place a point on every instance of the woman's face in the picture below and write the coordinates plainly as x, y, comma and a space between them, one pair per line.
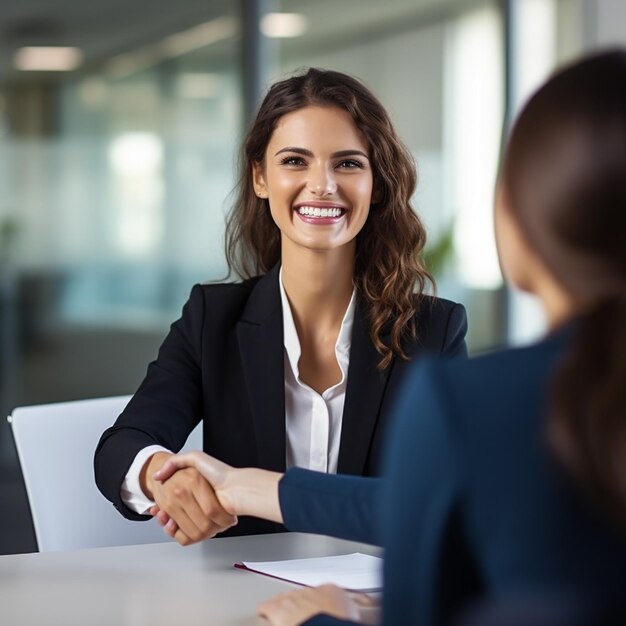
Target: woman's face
317, 178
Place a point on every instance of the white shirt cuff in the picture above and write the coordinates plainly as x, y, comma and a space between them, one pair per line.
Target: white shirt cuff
132, 494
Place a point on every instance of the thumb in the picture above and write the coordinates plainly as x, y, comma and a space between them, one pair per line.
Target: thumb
172, 465
213, 470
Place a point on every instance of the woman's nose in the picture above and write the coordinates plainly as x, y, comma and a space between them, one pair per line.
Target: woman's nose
322, 183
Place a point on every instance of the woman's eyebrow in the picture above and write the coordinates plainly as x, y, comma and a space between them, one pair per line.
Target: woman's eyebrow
334, 155
346, 153
302, 151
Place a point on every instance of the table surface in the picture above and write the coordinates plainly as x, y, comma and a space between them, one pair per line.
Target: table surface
153, 584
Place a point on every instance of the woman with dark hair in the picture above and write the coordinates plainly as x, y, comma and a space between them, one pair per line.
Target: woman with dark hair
509, 481
298, 364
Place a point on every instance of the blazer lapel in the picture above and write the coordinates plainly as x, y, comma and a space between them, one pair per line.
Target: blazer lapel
364, 396
261, 344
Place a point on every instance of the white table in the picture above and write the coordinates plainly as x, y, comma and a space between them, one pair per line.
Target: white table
155, 584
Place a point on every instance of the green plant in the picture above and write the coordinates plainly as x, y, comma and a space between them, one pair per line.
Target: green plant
438, 254
8, 229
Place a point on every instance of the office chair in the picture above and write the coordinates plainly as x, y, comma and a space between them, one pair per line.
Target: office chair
55, 445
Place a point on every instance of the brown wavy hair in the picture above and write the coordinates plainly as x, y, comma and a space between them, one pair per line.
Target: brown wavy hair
564, 174
388, 266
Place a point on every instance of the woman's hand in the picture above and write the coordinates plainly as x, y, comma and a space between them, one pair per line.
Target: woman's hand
296, 607
247, 491
186, 504
208, 468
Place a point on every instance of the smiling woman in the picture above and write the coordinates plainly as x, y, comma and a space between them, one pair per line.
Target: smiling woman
320, 185
326, 106
298, 364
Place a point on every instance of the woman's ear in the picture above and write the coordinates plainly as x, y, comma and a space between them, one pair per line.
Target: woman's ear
258, 180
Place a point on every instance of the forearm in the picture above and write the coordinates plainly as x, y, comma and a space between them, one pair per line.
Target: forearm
253, 492
341, 506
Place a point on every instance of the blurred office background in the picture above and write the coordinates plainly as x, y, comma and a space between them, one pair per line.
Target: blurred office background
118, 153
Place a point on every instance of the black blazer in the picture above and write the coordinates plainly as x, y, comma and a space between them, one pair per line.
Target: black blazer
222, 362
473, 503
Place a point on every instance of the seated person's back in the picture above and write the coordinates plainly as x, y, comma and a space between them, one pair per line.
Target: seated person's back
477, 488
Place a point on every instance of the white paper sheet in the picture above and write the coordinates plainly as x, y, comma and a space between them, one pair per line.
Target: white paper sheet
356, 572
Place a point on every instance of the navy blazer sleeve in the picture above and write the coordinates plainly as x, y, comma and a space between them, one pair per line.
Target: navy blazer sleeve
165, 409
339, 506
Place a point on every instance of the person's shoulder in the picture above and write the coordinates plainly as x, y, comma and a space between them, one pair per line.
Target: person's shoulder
461, 392
230, 287
434, 306
538, 355
221, 299
227, 291
507, 360
510, 375
441, 326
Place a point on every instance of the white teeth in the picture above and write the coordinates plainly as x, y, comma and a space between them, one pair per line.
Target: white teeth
317, 212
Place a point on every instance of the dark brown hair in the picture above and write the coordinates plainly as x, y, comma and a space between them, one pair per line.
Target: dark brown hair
388, 268
564, 174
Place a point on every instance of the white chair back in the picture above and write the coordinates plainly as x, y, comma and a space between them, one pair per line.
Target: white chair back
55, 444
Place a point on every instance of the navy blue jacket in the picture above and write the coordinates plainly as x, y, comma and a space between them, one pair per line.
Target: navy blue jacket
472, 503
223, 363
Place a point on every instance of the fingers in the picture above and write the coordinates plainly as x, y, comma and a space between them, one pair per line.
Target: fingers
276, 611
289, 609
173, 464
362, 599
211, 507
164, 520
161, 516
213, 470
170, 527
188, 509
200, 522
296, 607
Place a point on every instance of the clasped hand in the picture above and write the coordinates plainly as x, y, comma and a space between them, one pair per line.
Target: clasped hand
186, 504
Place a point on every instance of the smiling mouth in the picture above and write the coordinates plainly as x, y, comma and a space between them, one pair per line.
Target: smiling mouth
320, 213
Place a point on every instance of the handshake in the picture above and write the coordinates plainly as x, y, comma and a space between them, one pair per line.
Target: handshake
196, 496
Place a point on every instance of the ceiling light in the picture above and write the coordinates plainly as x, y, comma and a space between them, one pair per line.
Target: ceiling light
283, 25
175, 45
199, 36
47, 59
195, 86
129, 63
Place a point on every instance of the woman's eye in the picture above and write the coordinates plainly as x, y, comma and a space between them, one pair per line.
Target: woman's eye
292, 160
350, 164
